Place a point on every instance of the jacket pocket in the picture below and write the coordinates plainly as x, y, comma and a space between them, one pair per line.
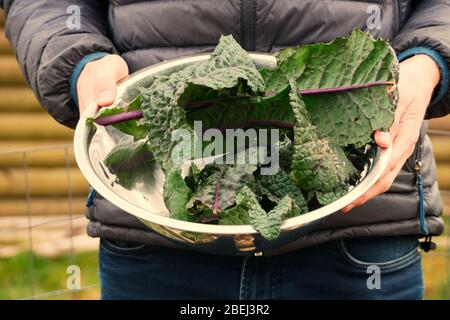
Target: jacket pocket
387, 253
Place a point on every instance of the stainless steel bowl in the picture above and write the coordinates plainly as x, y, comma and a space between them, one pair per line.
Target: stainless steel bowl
145, 201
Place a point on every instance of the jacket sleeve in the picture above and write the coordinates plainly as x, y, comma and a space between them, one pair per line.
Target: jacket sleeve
49, 44
428, 26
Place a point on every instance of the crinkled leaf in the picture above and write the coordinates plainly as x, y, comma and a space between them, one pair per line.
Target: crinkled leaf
317, 164
352, 116
229, 70
277, 186
325, 198
337, 98
217, 188
266, 223
345, 61
237, 215
245, 113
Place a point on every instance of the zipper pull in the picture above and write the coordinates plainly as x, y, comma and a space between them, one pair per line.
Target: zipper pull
418, 167
427, 244
423, 226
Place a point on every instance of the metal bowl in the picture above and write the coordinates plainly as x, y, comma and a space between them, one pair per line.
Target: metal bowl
145, 201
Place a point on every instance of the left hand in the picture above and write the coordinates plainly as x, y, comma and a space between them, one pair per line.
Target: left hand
419, 76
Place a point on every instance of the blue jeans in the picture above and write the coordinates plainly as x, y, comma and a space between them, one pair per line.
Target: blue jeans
362, 268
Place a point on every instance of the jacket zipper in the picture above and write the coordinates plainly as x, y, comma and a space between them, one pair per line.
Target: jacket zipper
426, 245
248, 24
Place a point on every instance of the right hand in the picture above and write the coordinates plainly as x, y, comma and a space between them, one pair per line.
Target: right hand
97, 81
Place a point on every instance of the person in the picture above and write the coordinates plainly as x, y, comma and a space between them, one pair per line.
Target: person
70, 65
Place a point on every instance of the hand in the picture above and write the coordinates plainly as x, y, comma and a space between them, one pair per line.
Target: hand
419, 76
97, 81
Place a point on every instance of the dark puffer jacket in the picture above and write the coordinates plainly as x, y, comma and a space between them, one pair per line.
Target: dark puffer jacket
146, 32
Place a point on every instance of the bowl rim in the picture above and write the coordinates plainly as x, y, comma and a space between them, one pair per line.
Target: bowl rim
82, 131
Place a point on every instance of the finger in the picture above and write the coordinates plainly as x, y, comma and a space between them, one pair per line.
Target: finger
378, 188
394, 127
402, 106
383, 139
402, 149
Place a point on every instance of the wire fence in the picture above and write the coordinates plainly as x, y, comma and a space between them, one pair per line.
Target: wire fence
40, 224
44, 251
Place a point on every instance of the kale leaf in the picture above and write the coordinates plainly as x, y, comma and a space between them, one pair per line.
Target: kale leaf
328, 99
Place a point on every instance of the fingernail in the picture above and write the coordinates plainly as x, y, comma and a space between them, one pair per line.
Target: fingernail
384, 135
105, 97
383, 139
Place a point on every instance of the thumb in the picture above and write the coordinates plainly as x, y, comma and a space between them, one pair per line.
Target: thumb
383, 139
105, 87
107, 74
105, 94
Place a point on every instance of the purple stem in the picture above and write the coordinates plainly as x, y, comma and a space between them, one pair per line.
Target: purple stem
115, 118
207, 103
137, 114
255, 123
309, 92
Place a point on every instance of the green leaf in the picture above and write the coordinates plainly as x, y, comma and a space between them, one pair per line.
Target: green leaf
131, 163
325, 198
267, 224
217, 187
327, 98
345, 61
228, 71
135, 128
349, 117
192, 178
245, 113
176, 194
317, 164
238, 215
285, 152
277, 186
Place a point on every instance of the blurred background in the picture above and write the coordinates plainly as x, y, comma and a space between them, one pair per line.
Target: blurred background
42, 201
42, 198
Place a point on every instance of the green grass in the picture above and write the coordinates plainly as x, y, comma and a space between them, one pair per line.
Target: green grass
436, 275
50, 274
436, 266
